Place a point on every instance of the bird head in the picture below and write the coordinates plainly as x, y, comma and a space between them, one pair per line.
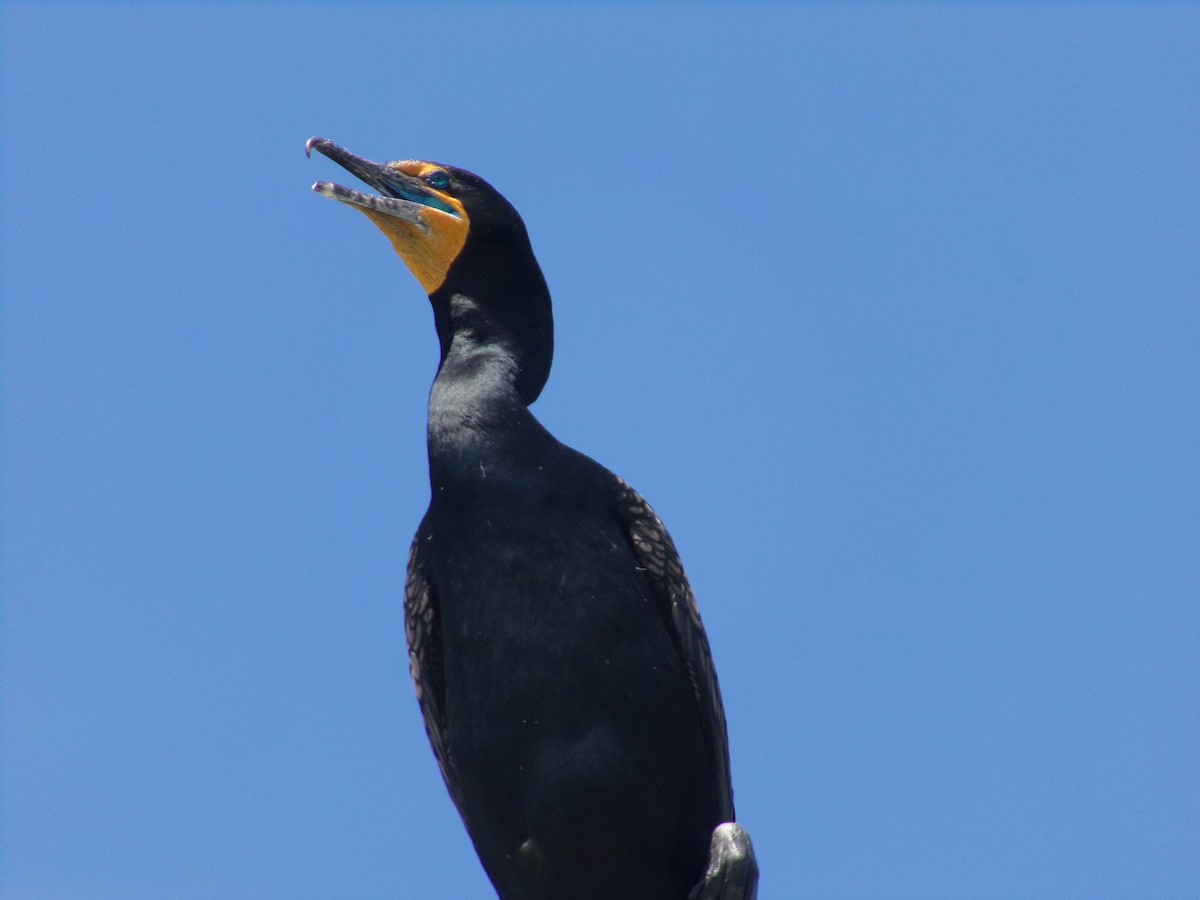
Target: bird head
427, 210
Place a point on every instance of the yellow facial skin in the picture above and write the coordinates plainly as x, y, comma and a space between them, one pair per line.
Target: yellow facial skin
429, 246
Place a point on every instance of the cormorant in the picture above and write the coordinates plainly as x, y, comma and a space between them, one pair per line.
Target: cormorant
557, 653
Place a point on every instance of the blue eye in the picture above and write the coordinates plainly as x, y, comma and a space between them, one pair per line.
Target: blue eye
438, 180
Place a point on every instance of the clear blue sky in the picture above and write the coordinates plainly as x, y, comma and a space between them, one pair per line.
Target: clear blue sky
893, 312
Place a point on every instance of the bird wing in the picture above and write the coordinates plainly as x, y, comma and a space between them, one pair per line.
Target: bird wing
423, 629
656, 554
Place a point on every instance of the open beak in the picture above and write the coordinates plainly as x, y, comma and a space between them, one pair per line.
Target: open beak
403, 194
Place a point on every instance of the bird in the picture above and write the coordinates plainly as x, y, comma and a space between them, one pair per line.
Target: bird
560, 664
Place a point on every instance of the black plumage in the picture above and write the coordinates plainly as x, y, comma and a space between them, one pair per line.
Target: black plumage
557, 652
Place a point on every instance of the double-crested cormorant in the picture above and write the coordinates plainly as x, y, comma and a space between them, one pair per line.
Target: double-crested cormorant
557, 652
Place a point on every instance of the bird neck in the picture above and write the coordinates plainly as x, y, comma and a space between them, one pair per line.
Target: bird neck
497, 299
478, 413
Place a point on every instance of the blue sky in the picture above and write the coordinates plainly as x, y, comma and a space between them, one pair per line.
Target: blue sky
891, 312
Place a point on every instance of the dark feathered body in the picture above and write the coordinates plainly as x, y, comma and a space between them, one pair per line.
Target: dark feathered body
575, 744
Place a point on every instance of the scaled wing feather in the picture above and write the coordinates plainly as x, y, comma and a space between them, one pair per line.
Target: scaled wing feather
656, 553
422, 627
